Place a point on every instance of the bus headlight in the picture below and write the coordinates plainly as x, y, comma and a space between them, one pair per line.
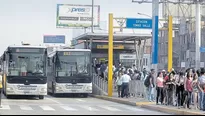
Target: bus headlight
9, 89
43, 89
58, 88
89, 88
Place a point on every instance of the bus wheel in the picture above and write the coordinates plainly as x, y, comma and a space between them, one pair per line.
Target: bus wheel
8, 96
85, 95
41, 97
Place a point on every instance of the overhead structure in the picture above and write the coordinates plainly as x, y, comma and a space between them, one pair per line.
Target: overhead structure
183, 11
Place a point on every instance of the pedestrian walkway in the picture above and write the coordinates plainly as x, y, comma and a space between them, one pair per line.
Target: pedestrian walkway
132, 99
72, 108
141, 102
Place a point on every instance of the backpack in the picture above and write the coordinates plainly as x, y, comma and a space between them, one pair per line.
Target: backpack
147, 81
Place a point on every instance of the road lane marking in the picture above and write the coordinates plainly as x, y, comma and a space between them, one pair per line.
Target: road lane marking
54, 101
25, 108
132, 109
80, 100
68, 108
110, 108
5, 107
9, 100
90, 108
47, 108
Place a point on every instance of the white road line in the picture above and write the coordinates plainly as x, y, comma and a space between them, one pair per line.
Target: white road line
68, 108
54, 101
132, 109
25, 107
47, 108
5, 107
80, 100
110, 108
90, 108
9, 100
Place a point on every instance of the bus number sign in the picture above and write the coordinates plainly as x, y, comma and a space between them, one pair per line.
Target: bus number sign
66, 53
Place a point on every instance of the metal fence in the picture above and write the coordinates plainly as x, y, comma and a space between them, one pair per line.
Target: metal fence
136, 87
102, 83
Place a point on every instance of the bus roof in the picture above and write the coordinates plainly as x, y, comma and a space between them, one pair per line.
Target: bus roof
73, 50
68, 50
26, 46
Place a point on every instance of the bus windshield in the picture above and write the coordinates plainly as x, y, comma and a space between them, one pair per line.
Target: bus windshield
70, 65
26, 64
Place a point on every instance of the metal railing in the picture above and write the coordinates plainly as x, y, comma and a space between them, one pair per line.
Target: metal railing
102, 83
137, 88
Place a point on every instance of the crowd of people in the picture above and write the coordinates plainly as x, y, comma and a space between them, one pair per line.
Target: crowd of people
123, 76
182, 89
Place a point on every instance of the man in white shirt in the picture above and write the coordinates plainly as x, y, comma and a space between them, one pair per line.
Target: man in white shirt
125, 79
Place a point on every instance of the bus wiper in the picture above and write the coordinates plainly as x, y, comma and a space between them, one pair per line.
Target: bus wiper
37, 76
76, 65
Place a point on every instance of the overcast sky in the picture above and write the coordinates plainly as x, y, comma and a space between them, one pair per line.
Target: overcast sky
29, 20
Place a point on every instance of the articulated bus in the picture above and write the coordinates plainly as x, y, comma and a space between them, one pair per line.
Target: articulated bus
24, 71
69, 72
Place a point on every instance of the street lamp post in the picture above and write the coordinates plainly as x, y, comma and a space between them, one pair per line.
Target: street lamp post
198, 34
92, 23
144, 14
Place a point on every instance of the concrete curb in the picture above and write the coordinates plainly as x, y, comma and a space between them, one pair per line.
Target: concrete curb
147, 105
114, 100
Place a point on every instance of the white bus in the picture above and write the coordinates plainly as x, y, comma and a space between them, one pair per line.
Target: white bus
24, 71
69, 72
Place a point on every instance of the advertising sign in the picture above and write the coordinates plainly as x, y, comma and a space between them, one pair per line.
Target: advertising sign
106, 47
54, 39
128, 56
69, 15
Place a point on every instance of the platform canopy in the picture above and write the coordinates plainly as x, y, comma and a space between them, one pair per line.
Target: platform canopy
117, 36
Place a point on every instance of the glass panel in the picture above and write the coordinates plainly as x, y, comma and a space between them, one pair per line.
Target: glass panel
69, 65
23, 64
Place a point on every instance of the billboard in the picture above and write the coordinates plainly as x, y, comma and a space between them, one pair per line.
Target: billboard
69, 15
54, 39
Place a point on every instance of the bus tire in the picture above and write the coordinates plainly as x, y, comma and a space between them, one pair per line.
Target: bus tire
85, 95
8, 96
53, 94
41, 97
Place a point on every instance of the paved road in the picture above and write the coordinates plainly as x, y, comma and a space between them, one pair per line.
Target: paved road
68, 106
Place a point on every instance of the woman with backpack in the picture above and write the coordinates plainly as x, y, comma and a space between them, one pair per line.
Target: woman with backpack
149, 84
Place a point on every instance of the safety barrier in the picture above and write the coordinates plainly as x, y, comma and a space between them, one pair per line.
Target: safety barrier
137, 88
102, 83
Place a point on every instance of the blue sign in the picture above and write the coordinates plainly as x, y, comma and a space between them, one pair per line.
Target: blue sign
202, 49
138, 23
54, 39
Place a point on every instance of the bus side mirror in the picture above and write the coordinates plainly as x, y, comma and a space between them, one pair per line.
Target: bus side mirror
4, 57
53, 60
46, 52
48, 61
10, 58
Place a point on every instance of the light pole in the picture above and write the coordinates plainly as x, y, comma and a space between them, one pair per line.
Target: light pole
198, 34
91, 39
92, 23
144, 14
